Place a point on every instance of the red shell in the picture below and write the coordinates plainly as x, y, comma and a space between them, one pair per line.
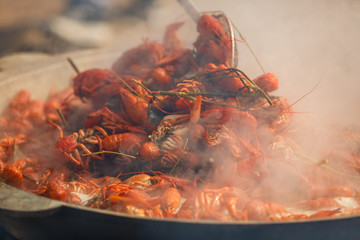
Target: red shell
56, 191
2, 166
85, 83
125, 141
67, 143
161, 78
267, 82
150, 152
13, 176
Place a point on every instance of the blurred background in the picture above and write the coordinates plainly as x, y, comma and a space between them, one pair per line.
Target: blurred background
58, 26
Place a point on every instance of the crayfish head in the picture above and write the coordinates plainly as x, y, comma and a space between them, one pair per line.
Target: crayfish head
85, 82
65, 144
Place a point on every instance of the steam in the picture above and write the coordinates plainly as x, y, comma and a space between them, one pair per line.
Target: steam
304, 43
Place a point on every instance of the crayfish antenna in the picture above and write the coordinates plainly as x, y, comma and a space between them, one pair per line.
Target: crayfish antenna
57, 127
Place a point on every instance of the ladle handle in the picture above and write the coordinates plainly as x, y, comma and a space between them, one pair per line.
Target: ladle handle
191, 9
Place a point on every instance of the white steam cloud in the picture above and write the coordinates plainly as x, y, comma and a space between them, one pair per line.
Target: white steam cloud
304, 43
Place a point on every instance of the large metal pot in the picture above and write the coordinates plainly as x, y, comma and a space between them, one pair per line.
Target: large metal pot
27, 216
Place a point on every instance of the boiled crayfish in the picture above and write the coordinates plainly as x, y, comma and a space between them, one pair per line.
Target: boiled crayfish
170, 131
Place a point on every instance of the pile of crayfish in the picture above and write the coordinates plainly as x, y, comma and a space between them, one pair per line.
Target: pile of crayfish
174, 132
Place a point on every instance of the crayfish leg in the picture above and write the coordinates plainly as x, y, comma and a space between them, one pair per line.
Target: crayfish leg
195, 112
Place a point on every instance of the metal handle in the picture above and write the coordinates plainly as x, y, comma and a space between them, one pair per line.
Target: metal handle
190, 8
